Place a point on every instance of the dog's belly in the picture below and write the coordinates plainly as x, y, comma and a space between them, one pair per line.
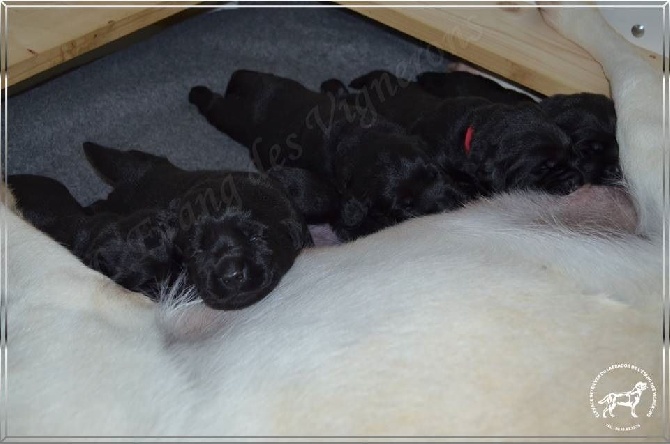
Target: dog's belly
325, 364
590, 208
413, 330
381, 336
599, 208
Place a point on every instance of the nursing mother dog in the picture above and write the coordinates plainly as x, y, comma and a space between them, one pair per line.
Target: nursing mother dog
493, 320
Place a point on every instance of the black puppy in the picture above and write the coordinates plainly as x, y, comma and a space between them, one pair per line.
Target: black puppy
489, 147
588, 119
234, 234
380, 171
238, 233
136, 250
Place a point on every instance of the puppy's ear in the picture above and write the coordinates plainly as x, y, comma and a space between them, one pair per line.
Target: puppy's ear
43, 200
315, 198
299, 232
116, 167
352, 212
48, 205
184, 243
502, 174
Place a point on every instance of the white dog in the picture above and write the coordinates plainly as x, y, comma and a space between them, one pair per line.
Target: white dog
486, 321
631, 399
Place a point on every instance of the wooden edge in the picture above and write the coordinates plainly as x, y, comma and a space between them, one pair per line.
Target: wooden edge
537, 78
460, 46
111, 31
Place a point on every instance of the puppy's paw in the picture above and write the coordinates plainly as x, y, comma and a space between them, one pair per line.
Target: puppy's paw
201, 96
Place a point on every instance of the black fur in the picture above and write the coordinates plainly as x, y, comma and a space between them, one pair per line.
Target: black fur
238, 233
136, 250
512, 146
381, 173
588, 119
316, 199
235, 234
47, 204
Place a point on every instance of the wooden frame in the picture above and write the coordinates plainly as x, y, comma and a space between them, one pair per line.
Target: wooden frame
44, 36
506, 39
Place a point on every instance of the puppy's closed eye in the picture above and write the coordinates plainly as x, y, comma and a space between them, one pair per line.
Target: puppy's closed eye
548, 165
596, 146
253, 233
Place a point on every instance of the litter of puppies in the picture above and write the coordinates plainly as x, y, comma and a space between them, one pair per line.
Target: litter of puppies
337, 162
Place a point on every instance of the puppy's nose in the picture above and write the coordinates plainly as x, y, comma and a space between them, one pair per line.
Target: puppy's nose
572, 183
233, 273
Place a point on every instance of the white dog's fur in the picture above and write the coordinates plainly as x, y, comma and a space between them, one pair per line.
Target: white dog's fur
486, 321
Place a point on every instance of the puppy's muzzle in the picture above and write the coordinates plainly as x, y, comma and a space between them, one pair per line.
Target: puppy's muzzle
566, 183
235, 283
234, 274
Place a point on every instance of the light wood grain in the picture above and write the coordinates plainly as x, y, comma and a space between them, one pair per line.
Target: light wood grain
42, 37
513, 42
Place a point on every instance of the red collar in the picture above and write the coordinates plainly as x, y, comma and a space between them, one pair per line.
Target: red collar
468, 139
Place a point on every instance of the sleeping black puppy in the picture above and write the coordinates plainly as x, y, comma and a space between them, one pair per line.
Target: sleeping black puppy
136, 250
237, 233
588, 119
382, 173
234, 235
489, 147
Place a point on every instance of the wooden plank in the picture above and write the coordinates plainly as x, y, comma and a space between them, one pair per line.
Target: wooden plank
513, 42
42, 37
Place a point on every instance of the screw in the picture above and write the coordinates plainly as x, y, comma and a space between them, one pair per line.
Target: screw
637, 30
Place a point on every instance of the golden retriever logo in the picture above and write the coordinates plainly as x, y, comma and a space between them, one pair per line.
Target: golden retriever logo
640, 399
631, 399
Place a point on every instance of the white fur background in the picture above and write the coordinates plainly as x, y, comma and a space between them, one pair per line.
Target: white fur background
490, 321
